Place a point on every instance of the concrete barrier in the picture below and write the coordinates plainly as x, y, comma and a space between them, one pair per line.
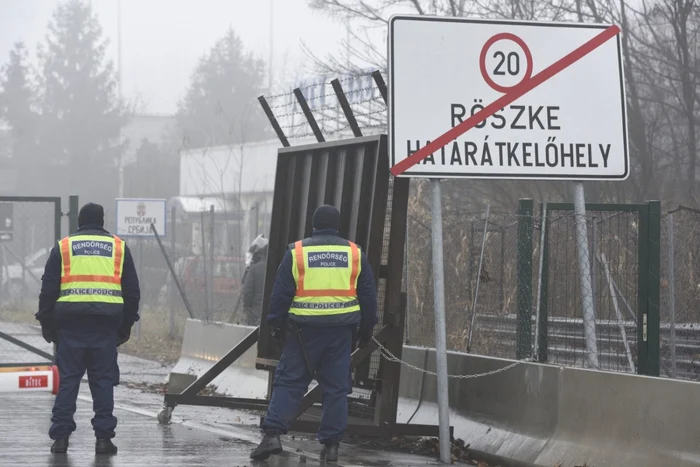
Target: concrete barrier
204, 343
535, 414
547, 415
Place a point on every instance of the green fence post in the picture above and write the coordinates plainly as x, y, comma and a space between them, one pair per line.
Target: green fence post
649, 289
57, 216
73, 209
642, 291
654, 290
544, 291
524, 323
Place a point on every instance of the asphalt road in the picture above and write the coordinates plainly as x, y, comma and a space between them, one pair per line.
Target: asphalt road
197, 436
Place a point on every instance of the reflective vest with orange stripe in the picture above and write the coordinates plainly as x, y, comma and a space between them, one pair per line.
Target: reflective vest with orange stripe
91, 269
326, 279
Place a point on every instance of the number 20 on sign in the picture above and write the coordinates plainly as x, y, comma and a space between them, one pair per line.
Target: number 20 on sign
506, 99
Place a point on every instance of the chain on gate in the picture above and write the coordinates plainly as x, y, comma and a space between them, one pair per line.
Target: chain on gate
392, 358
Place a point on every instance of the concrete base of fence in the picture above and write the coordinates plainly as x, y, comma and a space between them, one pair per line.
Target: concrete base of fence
204, 344
548, 415
535, 414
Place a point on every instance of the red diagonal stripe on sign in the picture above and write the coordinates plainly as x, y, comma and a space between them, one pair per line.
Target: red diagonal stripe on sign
504, 100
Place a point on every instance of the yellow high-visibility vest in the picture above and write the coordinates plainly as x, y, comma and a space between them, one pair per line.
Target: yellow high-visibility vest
91, 269
326, 279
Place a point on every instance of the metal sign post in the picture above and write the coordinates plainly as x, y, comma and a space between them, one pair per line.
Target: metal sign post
584, 266
440, 324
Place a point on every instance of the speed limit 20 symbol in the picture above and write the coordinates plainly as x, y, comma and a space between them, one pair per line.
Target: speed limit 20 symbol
505, 62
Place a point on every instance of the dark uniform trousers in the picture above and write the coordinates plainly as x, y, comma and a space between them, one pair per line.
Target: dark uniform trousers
79, 349
328, 351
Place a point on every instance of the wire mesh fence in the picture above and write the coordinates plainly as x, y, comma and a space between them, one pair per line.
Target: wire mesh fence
29, 231
207, 250
481, 292
680, 294
508, 296
613, 259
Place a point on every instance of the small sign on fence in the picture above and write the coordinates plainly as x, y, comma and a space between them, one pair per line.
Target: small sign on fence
506, 99
6, 222
135, 216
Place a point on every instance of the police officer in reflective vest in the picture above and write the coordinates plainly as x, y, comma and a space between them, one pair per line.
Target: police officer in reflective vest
88, 303
325, 295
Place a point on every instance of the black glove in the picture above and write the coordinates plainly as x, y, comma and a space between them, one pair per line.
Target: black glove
123, 335
365, 335
49, 333
278, 334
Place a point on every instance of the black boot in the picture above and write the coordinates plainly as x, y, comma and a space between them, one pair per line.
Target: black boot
105, 446
330, 453
60, 446
269, 445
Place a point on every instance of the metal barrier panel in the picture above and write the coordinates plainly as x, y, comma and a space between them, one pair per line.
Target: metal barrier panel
29, 228
353, 176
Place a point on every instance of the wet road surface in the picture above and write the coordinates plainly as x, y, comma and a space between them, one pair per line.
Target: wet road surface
197, 436
143, 442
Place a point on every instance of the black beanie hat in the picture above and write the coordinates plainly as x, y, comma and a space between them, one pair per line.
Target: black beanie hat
91, 214
326, 217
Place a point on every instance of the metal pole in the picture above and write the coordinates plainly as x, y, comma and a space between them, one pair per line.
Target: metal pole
478, 278
407, 337
543, 224
272, 36
204, 264
211, 261
672, 292
594, 263
137, 327
589, 330
620, 320
171, 289
2, 271
172, 271
119, 93
440, 332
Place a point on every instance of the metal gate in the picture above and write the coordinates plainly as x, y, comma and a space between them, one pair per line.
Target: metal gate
624, 256
29, 228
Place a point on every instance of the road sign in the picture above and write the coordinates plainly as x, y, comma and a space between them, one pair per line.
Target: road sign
134, 217
6, 221
506, 99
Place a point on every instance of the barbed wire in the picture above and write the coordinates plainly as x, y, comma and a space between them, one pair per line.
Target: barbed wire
322, 96
392, 358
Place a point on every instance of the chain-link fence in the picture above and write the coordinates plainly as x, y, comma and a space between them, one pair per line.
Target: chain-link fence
207, 249
680, 294
480, 287
29, 229
507, 296
613, 260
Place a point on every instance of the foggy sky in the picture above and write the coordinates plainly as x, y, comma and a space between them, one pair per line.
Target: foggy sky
163, 39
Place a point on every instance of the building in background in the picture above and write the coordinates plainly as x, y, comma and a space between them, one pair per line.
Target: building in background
239, 182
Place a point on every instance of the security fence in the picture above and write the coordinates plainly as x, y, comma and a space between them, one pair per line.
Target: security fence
507, 296
207, 249
29, 228
680, 294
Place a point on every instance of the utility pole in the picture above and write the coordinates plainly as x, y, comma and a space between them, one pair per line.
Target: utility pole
119, 93
272, 37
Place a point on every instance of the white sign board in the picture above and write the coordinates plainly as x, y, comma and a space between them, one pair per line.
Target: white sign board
548, 100
134, 217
